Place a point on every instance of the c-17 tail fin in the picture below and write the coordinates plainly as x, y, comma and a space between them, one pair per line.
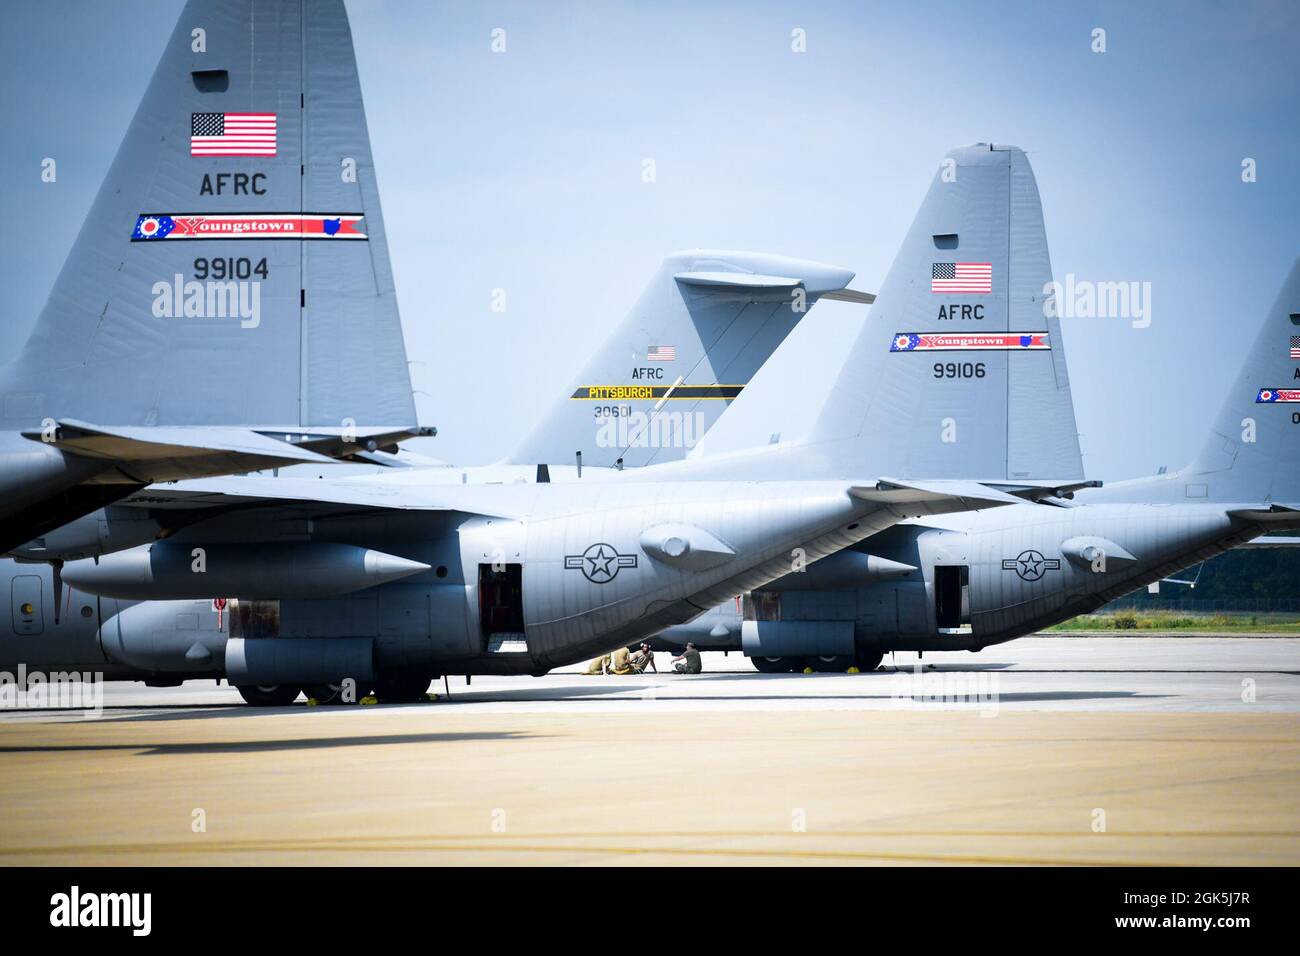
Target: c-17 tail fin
705, 323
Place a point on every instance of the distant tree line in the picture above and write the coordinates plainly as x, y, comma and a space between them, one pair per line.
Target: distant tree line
1251, 574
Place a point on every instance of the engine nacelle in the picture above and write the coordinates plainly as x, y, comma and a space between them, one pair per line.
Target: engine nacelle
101, 532
176, 637
846, 569
168, 570
299, 660
243, 644
796, 638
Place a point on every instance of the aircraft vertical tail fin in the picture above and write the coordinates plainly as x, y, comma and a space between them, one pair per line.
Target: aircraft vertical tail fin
1253, 451
959, 371
704, 325
233, 269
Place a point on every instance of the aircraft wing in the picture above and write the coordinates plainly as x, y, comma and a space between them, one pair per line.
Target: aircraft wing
323, 495
326, 496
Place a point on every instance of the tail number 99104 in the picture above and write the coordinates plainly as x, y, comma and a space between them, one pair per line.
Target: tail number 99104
229, 268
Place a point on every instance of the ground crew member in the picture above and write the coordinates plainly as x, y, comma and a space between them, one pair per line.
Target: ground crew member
621, 662
644, 658
689, 662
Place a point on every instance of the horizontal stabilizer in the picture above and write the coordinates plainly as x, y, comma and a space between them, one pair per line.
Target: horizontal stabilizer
964, 495
145, 443
349, 442
135, 446
399, 459
818, 278
1273, 541
851, 295
737, 280
1273, 513
826, 284
1038, 490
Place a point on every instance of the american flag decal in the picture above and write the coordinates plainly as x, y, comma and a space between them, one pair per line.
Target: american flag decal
661, 353
232, 134
1295, 346
956, 278
1267, 395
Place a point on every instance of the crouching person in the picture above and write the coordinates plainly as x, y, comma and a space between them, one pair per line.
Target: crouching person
688, 662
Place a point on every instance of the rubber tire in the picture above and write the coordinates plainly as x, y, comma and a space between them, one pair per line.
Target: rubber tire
868, 660
273, 695
777, 665
831, 664
404, 688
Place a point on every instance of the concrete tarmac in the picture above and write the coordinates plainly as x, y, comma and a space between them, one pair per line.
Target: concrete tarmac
1042, 751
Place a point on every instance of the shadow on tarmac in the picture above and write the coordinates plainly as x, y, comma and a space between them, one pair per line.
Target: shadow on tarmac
271, 746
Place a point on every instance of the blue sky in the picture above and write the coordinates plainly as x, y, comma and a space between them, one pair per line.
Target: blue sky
522, 171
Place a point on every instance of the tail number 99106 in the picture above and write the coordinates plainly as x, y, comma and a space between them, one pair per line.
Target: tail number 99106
958, 369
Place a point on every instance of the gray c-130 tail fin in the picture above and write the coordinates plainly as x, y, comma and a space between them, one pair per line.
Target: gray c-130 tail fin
959, 372
1252, 454
233, 270
228, 304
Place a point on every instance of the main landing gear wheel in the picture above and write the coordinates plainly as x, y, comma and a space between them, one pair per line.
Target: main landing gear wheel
402, 688
777, 665
868, 661
831, 663
271, 695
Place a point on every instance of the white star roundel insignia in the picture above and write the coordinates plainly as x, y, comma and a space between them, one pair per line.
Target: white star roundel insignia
599, 563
